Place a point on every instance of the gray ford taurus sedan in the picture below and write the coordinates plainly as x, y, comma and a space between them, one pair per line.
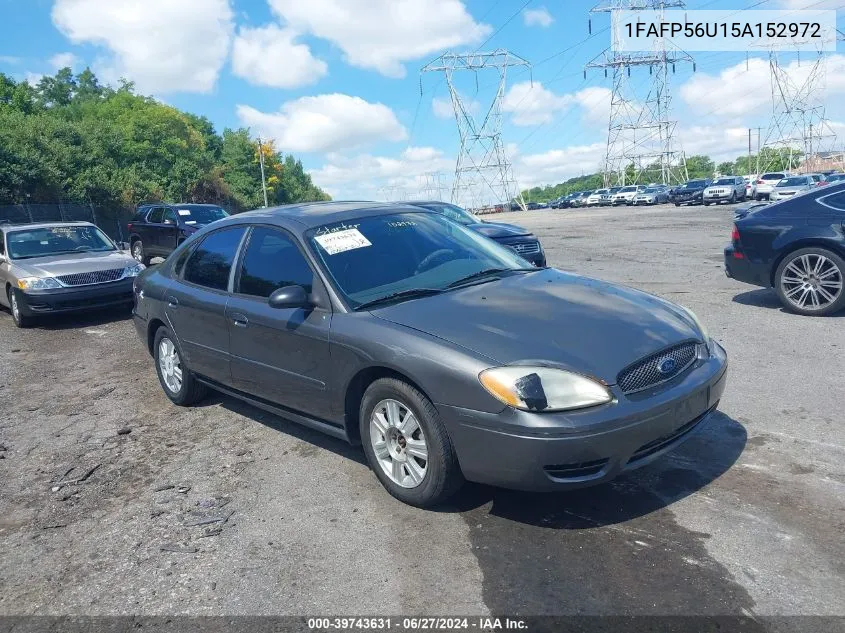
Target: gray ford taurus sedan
447, 356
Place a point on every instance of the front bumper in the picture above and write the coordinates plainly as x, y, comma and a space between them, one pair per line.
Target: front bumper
559, 451
77, 299
717, 197
686, 199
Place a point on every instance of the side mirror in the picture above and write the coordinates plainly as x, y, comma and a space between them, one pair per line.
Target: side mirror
170, 222
289, 297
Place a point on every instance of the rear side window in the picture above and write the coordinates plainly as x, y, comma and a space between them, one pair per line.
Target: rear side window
211, 262
156, 216
271, 261
835, 201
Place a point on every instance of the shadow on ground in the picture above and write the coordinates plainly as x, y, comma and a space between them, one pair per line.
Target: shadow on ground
767, 298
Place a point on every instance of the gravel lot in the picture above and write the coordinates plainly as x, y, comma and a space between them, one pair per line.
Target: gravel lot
745, 518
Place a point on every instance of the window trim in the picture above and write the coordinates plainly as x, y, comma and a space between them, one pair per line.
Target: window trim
238, 267
820, 200
228, 290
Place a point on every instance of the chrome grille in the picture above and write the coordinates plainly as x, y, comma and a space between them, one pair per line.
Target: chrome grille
657, 368
95, 277
526, 248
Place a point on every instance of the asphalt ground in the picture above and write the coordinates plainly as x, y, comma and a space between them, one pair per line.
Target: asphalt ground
225, 509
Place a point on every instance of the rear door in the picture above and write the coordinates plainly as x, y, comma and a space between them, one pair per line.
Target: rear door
196, 303
281, 355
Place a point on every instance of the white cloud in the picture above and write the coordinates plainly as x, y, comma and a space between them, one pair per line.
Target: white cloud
737, 91
382, 34
10, 59
535, 105
719, 142
270, 56
537, 17
532, 104
33, 78
63, 60
442, 108
162, 45
558, 165
325, 123
368, 176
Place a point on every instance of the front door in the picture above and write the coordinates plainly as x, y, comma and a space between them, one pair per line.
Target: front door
167, 233
196, 304
281, 355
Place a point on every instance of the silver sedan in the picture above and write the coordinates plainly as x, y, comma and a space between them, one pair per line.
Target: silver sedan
792, 185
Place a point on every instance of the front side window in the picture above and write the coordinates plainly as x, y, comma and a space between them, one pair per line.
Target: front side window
169, 217
57, 240
376, 257
272, 261
156, 216
211, 262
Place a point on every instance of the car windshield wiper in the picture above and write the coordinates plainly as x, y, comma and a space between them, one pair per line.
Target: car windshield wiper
411, 293
487, 272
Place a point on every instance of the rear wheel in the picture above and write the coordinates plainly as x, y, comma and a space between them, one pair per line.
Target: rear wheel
15, 300
176, 379
407, 445
810, 281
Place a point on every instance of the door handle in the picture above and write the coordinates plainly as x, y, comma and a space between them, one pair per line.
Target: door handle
172, 302
239, 319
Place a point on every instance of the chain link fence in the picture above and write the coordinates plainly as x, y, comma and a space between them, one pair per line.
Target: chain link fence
111, 220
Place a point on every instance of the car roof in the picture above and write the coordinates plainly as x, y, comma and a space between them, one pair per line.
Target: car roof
312, 214
40, 225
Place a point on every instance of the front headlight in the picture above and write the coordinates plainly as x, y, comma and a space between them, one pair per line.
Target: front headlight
133, 271
38, 283
543, 388
704, 351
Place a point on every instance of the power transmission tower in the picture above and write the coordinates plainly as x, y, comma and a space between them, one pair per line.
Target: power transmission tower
483, 173
799, 125
432, 185
640, 133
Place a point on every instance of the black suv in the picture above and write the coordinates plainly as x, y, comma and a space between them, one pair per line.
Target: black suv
158, 228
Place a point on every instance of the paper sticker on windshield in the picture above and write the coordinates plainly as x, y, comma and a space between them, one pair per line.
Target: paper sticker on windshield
342, 241
184, 212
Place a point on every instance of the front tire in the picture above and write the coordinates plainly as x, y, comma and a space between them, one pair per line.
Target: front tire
15, 300
407, 445
810, 282
176, 379
139, 253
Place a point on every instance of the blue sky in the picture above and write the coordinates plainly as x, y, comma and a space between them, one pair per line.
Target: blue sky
337, 82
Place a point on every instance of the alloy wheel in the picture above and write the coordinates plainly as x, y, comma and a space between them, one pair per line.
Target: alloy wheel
13, 303
170, 365
399, 443
811, 282
138, 251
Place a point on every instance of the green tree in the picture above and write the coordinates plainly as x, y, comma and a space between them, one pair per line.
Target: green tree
726, 168
700, 166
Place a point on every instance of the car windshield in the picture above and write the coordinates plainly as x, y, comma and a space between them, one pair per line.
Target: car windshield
724, 181
695, 184
627, 189
795, 181
201, 215
56, 240
651, 190
454, 212
375, 258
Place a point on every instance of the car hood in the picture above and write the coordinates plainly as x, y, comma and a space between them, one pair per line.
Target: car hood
497, 230
73, 263
552, 318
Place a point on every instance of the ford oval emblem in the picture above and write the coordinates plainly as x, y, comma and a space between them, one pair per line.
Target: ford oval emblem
666, 366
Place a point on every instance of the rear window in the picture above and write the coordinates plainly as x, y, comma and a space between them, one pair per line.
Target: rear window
772, 176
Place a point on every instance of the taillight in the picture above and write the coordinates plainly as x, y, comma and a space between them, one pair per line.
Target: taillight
737, 252
129, 226
735, 235
760, 182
